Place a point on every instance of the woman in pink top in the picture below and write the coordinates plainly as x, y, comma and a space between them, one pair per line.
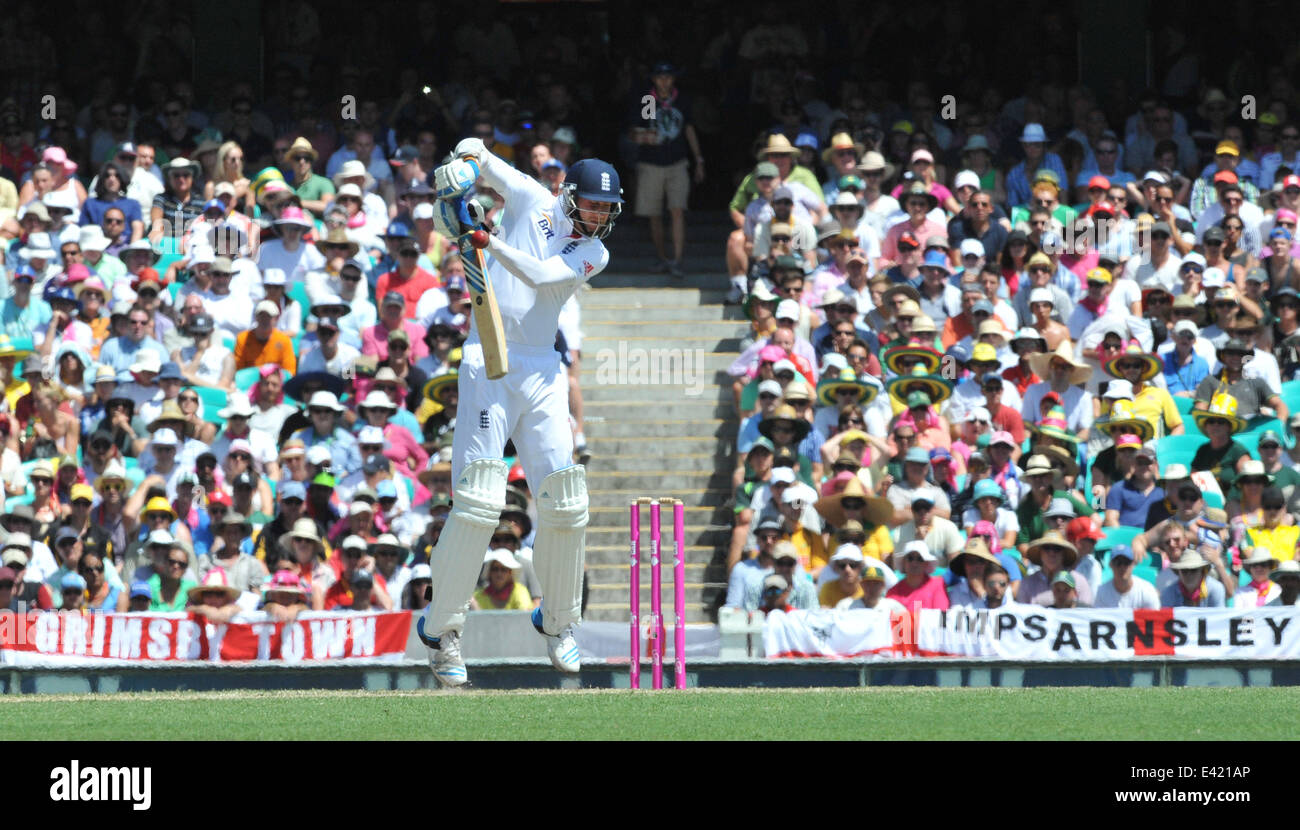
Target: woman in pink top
399, 445
919, 586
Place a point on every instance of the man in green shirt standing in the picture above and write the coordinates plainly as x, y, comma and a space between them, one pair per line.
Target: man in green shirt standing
316, 192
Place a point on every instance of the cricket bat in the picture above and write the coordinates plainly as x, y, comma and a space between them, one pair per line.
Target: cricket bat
487, 316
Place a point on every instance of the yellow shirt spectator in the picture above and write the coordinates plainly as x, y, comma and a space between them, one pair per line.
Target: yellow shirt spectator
1280, 541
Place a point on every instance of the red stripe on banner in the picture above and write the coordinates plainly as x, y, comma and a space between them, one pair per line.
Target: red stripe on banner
1151, 639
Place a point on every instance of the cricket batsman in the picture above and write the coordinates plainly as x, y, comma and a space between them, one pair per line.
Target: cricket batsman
543, 249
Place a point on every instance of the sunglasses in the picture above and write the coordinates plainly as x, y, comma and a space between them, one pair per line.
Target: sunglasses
178, 563
846, 564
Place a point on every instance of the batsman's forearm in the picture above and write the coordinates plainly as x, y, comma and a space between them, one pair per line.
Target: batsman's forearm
504, 179
529, 269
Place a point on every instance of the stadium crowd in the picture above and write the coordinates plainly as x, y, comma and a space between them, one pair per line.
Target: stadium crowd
1042, 351
229, 340
994, 363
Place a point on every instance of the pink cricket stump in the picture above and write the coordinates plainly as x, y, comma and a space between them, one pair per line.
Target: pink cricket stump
656, 603
634, 530
679, 595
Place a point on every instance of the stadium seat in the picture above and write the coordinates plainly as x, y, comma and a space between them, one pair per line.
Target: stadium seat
1291, 395
1120, 535
213, 400
298, 292
1178, 449
1184, 405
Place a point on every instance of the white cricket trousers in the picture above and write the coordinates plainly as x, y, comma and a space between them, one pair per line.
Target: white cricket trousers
530, 404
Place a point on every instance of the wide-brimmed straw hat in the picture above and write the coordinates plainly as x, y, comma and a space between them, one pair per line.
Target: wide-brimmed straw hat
338, 236
976, 548
299, 145
878, 510
1041, 363
1035, 552
777, 145
785, 414
214, 580
842, 141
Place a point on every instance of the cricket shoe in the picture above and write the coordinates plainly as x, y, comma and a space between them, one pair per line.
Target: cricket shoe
444, 657
661, 266
562, 650
675, 269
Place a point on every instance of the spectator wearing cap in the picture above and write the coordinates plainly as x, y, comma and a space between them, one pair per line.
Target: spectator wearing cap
1227, 158
406, 278
1124, 590
989, 503
392, 310
938, 297
902, 493
1182, 367
207, 362
264, 343
331, 355
752, 569
917, 201
1283, 476
1260, 363
919, 588
29, 592
1232, 202
358, 571
327, 431
1271, 529
940, 535
756, 472
22, 314
291, 496
783, 234
1054, 555
873, 597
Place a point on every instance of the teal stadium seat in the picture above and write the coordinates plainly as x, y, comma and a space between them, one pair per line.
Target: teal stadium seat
214, 400
1178, 449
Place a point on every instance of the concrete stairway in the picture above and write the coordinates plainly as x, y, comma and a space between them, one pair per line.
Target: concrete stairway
659, 421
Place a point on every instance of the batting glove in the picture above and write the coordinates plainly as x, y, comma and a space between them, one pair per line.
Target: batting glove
454, 178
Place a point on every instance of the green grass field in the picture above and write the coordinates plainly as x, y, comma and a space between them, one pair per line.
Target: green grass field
706, 714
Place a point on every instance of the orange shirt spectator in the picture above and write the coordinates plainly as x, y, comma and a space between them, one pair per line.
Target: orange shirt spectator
264, 343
